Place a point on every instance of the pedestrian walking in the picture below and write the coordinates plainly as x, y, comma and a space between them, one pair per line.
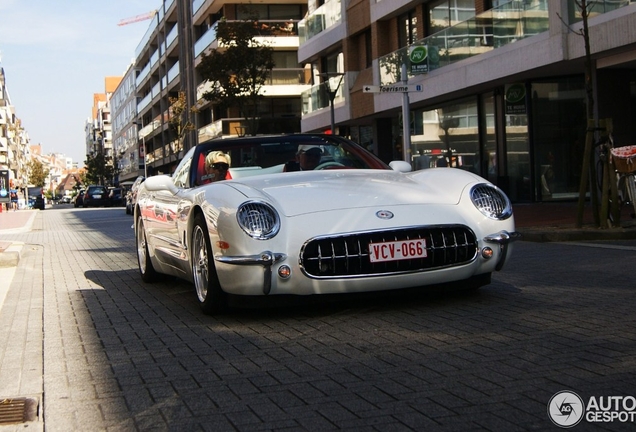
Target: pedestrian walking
14, 199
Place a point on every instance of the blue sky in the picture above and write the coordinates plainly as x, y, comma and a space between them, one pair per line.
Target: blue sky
56, 54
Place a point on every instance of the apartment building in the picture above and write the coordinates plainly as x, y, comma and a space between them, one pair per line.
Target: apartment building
165, 64
14, 139
98, 128
501, 83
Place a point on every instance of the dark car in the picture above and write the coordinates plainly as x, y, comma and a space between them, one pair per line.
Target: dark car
115, 198
78, 200
96, 196
131, 196
36, 198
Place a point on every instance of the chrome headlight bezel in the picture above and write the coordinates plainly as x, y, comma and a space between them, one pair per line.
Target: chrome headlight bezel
258, 220
491, 201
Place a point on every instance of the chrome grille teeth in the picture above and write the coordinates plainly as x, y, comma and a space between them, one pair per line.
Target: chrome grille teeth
347, 255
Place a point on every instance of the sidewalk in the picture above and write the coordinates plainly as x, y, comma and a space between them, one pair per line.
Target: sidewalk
14, 222
555, 221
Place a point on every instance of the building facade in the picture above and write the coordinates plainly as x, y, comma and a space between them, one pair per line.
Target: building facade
14, 140
501, 83
165, 66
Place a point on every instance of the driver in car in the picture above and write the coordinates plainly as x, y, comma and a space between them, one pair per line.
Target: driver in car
307, 158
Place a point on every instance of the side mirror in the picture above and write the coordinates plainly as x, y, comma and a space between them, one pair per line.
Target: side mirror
400, 166
159, 183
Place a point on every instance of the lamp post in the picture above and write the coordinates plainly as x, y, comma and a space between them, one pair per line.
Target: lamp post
332, 91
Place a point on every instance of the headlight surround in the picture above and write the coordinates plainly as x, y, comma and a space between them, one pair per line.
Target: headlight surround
259, 220
491, 201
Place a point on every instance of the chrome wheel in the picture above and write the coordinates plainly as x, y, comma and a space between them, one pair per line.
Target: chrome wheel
147, 271
211, 296
200, 263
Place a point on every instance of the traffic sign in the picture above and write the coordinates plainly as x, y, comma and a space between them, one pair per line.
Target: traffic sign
396, 88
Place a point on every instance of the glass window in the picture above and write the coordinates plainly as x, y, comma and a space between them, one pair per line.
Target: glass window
285, 59
407, 29
447, 13
448, 135
558, 109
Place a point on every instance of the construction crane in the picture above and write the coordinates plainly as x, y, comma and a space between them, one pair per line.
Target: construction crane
137, 18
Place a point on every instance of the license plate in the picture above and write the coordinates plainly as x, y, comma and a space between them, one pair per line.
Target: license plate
97, 196
397, 250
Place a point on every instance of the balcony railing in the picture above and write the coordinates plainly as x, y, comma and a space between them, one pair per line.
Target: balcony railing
326, 16
492, 29
317, 97
239, 127
265, 28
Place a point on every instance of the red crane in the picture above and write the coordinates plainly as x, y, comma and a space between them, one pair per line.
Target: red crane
137, 18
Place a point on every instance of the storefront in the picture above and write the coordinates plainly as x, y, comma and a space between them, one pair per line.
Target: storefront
527, 137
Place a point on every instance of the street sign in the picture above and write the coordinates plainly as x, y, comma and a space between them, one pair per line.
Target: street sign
396, 88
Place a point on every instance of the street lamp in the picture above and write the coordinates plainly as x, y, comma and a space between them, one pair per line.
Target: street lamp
331, 91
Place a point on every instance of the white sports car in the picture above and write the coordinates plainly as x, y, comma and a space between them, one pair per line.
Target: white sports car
315, 214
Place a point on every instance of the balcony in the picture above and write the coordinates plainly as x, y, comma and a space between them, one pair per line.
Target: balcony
495, 28
326, 16
229, 127
317, 97
266, 28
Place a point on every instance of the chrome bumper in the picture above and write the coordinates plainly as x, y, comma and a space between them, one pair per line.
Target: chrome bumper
503, 239
266, 259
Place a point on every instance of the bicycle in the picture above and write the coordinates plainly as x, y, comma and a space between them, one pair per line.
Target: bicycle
624, 160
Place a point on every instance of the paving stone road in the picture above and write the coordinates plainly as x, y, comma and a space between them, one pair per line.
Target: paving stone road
101, 350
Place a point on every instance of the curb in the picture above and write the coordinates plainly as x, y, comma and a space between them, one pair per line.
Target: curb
10, 253
560, 234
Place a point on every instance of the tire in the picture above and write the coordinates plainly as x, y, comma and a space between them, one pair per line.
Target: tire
146, 269
211, 297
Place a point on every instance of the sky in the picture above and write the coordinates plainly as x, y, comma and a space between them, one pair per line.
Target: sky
56, 54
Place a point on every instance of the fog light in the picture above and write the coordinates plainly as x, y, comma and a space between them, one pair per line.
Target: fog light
487, 252
284, 272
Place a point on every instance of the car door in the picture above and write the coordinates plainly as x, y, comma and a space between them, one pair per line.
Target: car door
161, 218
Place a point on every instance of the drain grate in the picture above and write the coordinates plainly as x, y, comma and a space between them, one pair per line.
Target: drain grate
18, 410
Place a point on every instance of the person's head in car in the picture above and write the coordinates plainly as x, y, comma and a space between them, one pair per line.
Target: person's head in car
308, 156
217, 165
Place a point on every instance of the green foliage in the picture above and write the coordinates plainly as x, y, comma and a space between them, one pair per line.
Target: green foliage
97, 170
180, 121
238, 69
37, 173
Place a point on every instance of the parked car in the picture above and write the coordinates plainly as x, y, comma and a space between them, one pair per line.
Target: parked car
352, 224
36, 199
115, 198
131, 195
95, 196
66, 199
78, 200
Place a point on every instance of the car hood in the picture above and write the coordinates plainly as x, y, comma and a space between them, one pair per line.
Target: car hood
307, 192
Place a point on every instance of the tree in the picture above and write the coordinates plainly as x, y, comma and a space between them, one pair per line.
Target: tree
588, 169
238, 69
179, 118
97, 170
37, 173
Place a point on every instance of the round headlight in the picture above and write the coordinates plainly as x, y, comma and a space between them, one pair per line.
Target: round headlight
491, 201
258, 220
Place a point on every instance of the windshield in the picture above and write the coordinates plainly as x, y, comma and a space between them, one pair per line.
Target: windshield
231, 159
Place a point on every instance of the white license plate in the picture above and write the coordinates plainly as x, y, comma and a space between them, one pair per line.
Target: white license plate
97, 197
397, 250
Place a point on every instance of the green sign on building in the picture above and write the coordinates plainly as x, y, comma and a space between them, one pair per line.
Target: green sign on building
418, 57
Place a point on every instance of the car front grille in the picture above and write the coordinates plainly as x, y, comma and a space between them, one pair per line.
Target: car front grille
347, 255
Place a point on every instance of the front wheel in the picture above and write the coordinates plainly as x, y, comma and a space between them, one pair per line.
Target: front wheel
146, 269
211, 297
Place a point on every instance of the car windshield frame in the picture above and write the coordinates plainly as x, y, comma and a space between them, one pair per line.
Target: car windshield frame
261, 155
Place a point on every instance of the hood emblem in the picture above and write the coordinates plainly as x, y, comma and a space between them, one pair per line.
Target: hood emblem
384, 214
